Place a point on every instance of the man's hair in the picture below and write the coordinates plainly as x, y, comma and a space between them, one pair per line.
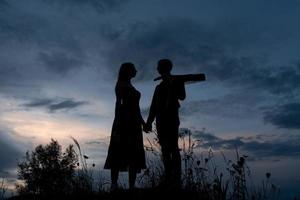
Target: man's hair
164, 65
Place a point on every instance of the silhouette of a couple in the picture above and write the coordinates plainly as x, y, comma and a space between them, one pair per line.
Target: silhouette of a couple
126, 149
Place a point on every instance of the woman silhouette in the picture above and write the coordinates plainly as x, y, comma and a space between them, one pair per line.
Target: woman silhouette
126, 149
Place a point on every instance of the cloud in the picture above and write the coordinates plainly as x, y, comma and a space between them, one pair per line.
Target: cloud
210, 140
260, 146
40, 103
103, 142
7, 74
60, 62
8, 155
196, 47
274, 79
66, 105
284, 116
54, 23
233, 105
182, 40
9, 151
100, 6
43, 39
62, 42
286, 148
53, 105
3, 4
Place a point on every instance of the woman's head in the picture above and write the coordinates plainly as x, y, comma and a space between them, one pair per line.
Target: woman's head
127, 71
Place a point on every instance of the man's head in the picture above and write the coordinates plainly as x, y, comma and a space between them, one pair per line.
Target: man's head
164, 66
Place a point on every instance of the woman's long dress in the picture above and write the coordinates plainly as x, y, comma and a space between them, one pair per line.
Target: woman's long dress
126, 147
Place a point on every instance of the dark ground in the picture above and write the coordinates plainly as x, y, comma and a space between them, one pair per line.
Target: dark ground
145, 194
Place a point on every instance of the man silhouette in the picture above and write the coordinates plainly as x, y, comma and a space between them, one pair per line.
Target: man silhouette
164, 108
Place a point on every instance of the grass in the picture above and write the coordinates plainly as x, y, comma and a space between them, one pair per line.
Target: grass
3, 188
202, 178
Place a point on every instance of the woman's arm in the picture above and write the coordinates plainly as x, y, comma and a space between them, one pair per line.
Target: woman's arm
152, 112
141, 118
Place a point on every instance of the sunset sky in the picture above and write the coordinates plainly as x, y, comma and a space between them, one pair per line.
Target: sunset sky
59, 62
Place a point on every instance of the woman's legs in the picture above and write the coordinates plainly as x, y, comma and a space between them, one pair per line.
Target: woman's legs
114, 173
132, 177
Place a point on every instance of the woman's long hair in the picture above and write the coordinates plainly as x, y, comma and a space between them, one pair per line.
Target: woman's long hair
125, 71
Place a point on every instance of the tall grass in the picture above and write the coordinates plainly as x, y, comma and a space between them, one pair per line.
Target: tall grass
3, 188
201, 174
84, 179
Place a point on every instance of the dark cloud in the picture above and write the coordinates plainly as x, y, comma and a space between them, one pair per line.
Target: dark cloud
195, 47
287, 145
64, 42
7, 74
9, 152
210, 140
60, 62
13, 82
99, 5
286, 148
62, 24
66, 105
284, 116
3, 4
53, 105
236, 105
184, 41
202, 135
275, 79
56, 35
40, 103
21, 25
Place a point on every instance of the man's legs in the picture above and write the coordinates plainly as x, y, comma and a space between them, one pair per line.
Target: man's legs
172, 163
176, 169
171, 157
175, 158
167, 161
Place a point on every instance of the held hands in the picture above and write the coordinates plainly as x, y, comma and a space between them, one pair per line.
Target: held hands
147, 127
